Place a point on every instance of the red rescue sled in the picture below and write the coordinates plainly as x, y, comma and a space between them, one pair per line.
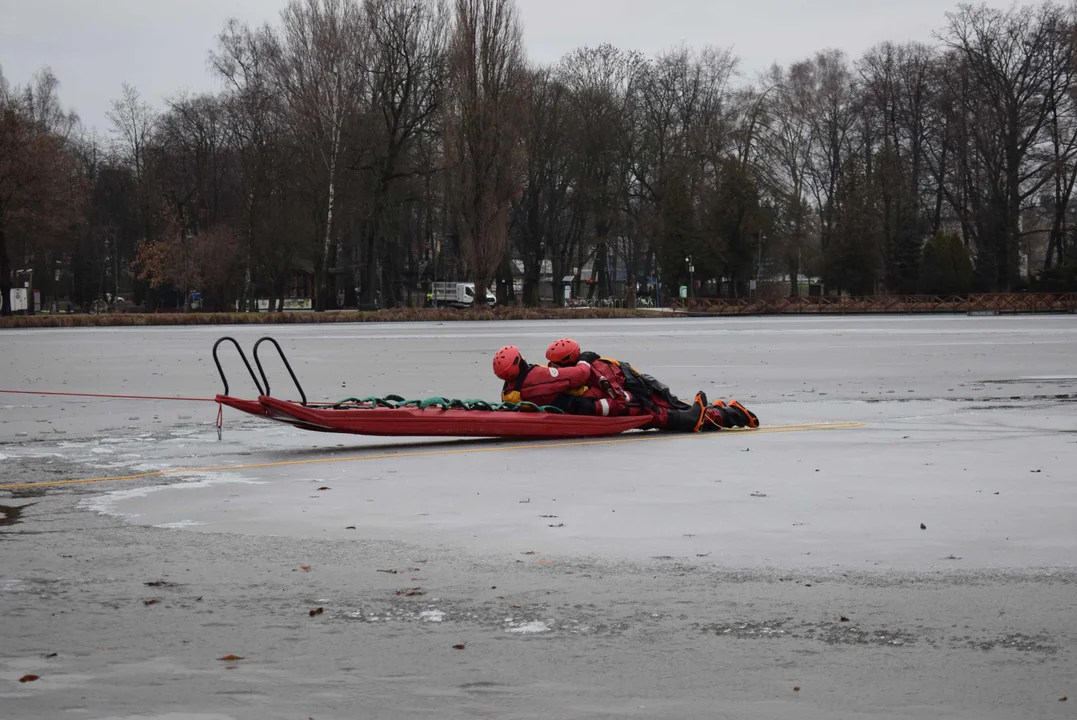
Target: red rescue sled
435, 420
432, 421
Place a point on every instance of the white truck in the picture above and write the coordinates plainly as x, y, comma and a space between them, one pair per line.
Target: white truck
458, 294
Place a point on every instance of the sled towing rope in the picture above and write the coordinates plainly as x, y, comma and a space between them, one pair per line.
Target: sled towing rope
392, 415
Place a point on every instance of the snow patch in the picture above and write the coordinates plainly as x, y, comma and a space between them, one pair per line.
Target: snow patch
535, 626
175, 716
106, 503
180, 524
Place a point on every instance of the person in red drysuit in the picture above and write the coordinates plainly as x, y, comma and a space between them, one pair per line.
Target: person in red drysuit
559, 387
652, 396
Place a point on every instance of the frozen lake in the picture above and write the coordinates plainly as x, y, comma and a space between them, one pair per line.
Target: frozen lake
965, 425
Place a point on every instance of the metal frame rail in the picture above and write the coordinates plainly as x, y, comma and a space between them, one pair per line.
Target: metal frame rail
263, 384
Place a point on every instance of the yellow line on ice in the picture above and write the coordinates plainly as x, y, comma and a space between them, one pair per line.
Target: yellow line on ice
427, 453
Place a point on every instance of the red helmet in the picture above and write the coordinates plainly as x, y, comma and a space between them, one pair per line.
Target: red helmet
507, 362
563, 352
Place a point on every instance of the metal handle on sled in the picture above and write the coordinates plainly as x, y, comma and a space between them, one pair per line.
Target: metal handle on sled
243, 357
287, 366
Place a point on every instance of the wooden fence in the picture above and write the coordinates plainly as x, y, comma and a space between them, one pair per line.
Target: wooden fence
992, 303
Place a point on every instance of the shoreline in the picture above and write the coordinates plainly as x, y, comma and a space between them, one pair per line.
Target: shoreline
971, 305
328, 317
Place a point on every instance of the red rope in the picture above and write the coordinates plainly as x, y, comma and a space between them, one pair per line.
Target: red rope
106, 395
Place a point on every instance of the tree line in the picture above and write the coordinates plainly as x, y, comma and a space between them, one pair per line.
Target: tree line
383, 144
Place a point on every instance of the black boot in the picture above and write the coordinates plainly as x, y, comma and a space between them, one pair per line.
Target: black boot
721, 415
716, 417
734, 415
742, 415
687, 420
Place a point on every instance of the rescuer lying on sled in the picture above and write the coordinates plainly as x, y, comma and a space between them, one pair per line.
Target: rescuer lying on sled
598, 388
561, 387
652, 395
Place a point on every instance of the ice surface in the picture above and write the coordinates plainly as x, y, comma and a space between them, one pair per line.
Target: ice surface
955, 410
638, 577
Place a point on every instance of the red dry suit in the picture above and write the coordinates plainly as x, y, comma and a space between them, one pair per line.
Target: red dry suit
604, 393
622, 401
644, 395
574, 389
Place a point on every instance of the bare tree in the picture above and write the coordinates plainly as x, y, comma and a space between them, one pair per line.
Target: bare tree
41, 190
191, 162
252, 105
600, 83
685, 188
133, 125
540, 224
1062, 130
317, 59
483, 139
898, 91
407, 69
789, 146
1003, 82
833, 120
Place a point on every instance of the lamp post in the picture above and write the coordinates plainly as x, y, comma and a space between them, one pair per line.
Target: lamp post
110, 245
691, 277
106, 263
437, 255
657, 283
759, 260
186, 273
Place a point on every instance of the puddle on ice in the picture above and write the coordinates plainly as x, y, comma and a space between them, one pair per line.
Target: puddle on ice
11, 514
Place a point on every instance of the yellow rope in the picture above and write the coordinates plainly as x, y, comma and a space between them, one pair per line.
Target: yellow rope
428, 453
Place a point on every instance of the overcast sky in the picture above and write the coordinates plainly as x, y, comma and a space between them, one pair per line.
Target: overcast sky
160, 46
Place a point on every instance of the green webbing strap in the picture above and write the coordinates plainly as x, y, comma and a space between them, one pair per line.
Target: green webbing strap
396, 401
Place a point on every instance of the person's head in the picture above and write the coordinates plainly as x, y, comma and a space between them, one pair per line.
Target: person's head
563, 352
507, 362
